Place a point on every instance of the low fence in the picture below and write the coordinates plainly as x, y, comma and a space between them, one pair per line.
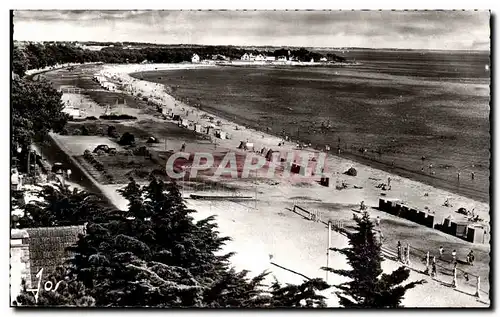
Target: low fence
421, 261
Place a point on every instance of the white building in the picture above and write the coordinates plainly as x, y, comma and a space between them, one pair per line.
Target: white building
270, 58
282, 58
245, 57
260, 57
323, 59
195, 58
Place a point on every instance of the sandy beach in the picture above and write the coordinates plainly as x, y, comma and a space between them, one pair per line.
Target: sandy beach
271, 229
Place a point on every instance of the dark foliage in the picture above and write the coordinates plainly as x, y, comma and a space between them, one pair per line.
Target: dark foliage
369, 287
127, 139
35, 56
36, 109
117, 117
156, 255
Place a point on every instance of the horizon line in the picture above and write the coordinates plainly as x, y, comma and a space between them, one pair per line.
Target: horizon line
263, 46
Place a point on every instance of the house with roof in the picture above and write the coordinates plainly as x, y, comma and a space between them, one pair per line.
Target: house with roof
33, 249
248, 57
260, 58
195, 58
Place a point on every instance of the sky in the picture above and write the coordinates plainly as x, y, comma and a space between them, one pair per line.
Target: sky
448, 30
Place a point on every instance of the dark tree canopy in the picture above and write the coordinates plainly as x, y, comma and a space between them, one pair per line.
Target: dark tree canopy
156, 255
35, 56
36, 109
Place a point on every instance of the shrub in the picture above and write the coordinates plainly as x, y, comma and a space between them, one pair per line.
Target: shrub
142, 151
112, 132
127, 139
117, 117
84, 130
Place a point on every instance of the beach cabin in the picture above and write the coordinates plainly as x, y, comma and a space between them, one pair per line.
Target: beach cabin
246, 146
270, 153
220, 134
323, 59
298, 169
476, 234
270, 58
282, 59
198, 128
429, 221
446, 224
195, 58
184, 123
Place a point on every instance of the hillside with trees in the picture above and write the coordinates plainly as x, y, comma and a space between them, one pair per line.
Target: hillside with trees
36, 55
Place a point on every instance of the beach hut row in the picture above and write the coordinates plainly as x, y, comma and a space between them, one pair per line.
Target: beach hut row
396, 208
462, 230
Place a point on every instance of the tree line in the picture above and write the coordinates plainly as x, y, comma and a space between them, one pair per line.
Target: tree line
38, 55
154, 254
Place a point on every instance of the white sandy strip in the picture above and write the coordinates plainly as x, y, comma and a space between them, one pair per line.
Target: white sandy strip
300, 245
294, 243
402, 188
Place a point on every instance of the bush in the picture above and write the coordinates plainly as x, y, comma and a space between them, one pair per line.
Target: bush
112, 132
91, 118
76, 132
117, 117
84, 130
100, 152
142, 151
127, 139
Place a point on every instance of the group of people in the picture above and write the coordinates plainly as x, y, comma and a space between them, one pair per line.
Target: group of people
403, 253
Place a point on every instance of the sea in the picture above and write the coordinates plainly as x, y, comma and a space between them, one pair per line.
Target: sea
419, 114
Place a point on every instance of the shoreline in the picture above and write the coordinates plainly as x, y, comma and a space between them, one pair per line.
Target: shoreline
433, 181
414, 183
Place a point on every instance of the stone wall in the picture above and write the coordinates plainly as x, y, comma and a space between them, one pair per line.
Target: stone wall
19, 261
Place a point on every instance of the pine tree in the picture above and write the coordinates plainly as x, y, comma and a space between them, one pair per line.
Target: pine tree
156, 255
369, 287
61, 207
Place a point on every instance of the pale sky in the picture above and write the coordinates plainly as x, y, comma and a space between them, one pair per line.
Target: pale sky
373, 29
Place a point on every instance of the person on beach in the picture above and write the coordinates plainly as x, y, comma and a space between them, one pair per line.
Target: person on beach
470, 258
434, 268
472, 175
399, 251
441, 250
458, 176
377, 221
454, 255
